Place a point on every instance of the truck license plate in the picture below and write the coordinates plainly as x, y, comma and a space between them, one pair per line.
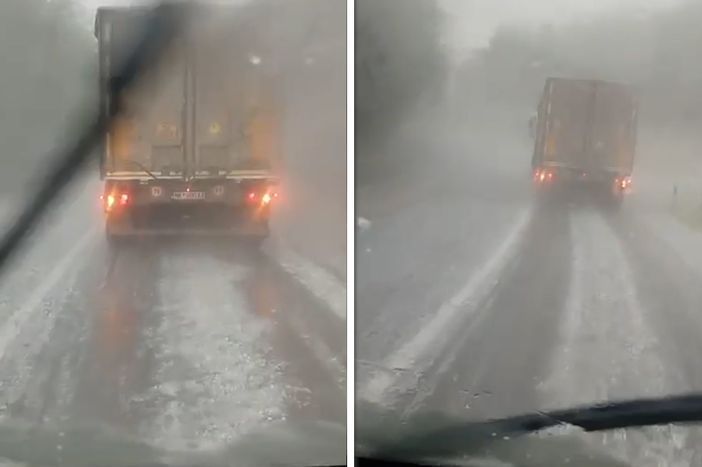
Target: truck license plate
188, 195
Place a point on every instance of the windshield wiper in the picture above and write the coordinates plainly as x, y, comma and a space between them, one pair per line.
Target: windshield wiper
141, 166
160, 29
460, 438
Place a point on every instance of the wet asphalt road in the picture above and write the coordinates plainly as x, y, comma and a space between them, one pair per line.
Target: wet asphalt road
490, 302
180, 343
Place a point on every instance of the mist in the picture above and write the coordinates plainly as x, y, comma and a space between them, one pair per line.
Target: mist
48, 72
481, 295
311, 36
480, 69
49, 78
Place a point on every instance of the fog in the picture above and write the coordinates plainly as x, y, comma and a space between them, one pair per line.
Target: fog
490, 61
470, 24
482, 294
49, 77
47, 72
312, 39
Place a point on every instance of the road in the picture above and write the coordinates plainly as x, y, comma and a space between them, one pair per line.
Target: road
478, 301
184, 344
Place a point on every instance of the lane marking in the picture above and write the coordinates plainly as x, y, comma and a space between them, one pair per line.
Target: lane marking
321, 283
464, 303
14, 324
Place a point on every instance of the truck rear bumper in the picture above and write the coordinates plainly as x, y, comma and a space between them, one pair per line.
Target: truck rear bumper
211, 223
128, 231
221, 208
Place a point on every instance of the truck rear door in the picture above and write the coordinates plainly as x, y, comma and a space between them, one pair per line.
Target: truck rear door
567, 111
151, 133
613, 138
232, 96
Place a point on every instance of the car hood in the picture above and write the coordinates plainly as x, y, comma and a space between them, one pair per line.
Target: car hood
380, 434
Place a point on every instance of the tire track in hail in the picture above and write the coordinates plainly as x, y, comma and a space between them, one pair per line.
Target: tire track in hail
609, 349
308, 337
499, 358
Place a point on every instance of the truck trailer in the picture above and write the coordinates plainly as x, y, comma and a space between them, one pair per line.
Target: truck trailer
585, 137
196, 148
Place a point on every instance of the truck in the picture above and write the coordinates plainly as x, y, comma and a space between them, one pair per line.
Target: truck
196, 149
586, 137
532, 125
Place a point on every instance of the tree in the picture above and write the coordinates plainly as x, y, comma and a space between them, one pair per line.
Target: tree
398, 61
656, 53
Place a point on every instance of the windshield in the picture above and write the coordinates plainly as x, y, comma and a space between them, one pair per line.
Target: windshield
188, 289
528, 228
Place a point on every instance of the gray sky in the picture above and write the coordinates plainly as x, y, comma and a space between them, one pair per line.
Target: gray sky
471, 22
96, 3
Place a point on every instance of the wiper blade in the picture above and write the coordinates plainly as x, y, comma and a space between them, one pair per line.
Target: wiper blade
160, 29
141, 166
459, 438
609, 416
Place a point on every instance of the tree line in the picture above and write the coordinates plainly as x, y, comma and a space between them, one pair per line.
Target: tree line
656, 52
398, 61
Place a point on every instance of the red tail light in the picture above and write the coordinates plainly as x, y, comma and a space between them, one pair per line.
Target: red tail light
623, 183
543, 175
263, 198
110, 202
